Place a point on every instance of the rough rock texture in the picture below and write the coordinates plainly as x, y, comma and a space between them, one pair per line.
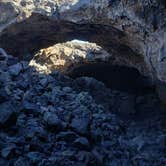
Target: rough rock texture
67, 55
142, 21
51, 119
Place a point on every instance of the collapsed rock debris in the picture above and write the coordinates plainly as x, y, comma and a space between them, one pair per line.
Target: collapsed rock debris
56, 120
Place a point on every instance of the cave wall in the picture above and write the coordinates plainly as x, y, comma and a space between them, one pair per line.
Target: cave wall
136, 26
38, 32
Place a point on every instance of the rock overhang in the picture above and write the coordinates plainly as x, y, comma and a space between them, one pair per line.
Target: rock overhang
140, 30
39, 31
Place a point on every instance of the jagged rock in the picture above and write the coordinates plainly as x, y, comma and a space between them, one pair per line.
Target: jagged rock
15, 69
53, 121
67, 89
44, 82
35, 157
31, 128
10, 12
68, 136
7, 114
5, 77
138, 142
61, 121
139, 22
3, 54
12, 60
64, 56
6, 152
4, 162
3, 95
82, 143
21, 161
30, 108
80, 125
85, 157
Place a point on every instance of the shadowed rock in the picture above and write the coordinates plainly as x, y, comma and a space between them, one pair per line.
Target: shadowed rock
115, 77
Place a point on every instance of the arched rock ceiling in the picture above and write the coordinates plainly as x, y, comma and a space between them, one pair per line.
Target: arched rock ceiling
134, 31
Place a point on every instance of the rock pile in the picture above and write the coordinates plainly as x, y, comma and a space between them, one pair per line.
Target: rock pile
52, 119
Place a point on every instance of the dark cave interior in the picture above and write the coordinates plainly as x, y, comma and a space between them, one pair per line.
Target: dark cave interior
123, 78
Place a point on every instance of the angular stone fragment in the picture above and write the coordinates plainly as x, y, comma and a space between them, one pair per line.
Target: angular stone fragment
52, 120
7, 115
34, 157
80, 125
67, 136
6, 152
82, 143
15, 69
21, 162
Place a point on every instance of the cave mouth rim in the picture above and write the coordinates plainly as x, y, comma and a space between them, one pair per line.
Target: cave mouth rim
39, 18
29, 34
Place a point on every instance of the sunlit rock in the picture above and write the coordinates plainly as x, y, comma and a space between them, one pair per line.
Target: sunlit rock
67, 55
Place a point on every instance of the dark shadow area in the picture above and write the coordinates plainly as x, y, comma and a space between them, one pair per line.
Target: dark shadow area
115, 77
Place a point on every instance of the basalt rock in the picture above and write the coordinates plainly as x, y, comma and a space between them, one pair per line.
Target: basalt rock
140, 25
7, 115
53, 119
132, 31
66, 56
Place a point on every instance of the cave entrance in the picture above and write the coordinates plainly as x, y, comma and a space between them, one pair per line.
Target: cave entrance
37, 32
116, 77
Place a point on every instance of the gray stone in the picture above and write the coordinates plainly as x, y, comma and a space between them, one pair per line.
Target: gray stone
84, 156
21, 162
3, 54
12, 60
15, 69
3, 95
44, 82
30, 108
4, 162
138, 142
67, 136
7, 114
52, 120
5, 77
82, 143
6, 152
80, 125
114, 163
9, 11
142, 28
25, 65
67, 89
98, 157
161, 140
35, 156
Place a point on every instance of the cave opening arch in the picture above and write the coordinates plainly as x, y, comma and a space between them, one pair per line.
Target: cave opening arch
39, 31
24, 39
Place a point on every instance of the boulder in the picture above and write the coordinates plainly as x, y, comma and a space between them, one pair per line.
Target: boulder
80, 125
7, 115
52, 120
